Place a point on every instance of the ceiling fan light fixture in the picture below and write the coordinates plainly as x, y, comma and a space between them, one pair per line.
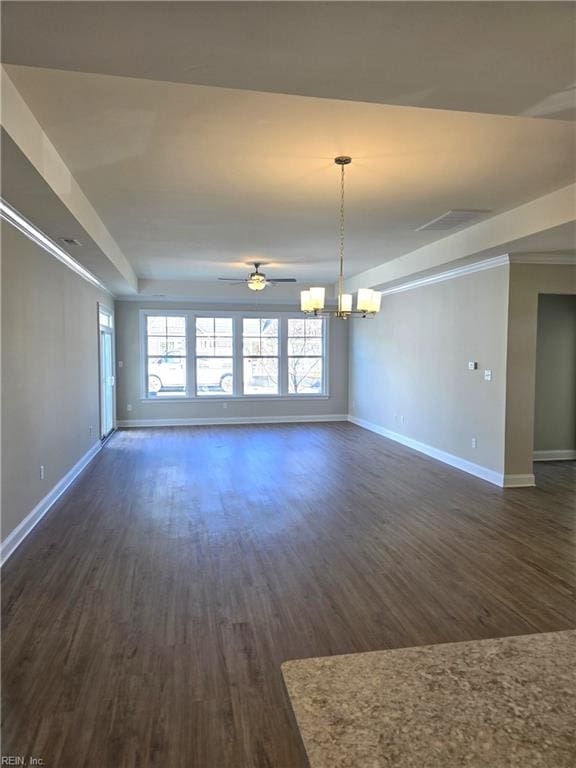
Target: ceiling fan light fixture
257, 282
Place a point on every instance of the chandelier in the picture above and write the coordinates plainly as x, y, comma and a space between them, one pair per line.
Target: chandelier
367, 302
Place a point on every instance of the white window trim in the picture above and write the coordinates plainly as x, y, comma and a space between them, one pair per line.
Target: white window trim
323, 357
193, 395
104, 309
144, 313
190, 316
239, 330
110, 328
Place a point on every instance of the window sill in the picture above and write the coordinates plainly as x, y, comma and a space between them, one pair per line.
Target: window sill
231, 399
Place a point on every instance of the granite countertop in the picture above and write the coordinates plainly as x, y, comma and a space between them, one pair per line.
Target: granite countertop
483, 704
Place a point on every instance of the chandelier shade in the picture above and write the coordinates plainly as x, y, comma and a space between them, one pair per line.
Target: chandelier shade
305, 301
317, 297
368, 300
345, 302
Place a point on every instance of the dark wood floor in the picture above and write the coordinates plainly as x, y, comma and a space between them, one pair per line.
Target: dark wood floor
146, 618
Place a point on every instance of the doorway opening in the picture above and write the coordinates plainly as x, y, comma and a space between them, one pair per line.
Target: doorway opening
107, 378
555, 401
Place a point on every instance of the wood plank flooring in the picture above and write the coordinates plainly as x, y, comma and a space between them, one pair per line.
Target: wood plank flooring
146, 618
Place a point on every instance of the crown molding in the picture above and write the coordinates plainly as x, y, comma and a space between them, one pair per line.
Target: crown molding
493, 262
498, 234
568, 259
450, 274
23, 225
33, 144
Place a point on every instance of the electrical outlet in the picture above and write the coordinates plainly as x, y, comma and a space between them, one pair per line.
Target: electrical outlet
224, 405
487, 374
120, 364
402, 419
474, 443
90, 428
42, 472
129, 407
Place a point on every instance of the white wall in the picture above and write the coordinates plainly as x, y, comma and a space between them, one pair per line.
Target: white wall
129, 382
49, 373
555, 416
527, 282
411, 361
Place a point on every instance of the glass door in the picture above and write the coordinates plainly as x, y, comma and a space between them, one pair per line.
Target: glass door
107, 382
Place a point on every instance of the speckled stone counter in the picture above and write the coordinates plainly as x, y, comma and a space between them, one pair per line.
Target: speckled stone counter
483, 704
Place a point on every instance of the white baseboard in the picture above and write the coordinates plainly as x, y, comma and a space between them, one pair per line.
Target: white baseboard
519, 481
477, 470
17, 536
198, 422
563, 455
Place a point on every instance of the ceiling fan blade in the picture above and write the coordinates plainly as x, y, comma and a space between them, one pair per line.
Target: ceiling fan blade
233, 279
281, 280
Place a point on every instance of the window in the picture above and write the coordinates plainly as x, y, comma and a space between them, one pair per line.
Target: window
105, 317
305, 356
190, 354
166, 355
260, 354
214, 356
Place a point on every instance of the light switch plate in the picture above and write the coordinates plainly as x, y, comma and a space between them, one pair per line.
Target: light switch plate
472, 365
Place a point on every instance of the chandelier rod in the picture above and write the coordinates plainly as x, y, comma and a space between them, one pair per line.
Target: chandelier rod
341, 276
312, 299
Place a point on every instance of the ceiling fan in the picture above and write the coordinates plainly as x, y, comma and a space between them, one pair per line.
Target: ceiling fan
257, 280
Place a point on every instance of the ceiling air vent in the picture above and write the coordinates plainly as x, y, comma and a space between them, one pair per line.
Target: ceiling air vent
70, 241
452, 219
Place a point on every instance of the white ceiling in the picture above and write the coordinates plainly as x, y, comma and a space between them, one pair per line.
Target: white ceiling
204, 133
29, 193
556, 245
496, 57
195, 181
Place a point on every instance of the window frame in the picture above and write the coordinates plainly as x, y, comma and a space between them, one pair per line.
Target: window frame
322, 357
144, 394
271, 357
195, 356
190, 316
